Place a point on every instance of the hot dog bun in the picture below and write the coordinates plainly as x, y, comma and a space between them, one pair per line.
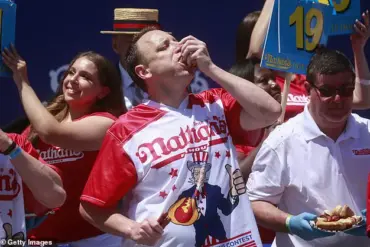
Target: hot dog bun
339, 219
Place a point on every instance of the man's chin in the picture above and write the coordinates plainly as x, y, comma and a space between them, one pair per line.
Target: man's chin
186, 74
337, 119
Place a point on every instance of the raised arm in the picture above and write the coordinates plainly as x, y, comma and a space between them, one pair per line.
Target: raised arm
361, 99
259, 109
260, 30
44, 183
83, 135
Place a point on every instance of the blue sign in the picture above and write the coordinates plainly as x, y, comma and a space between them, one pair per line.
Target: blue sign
302, 27
7, 30
294, 32
344, 14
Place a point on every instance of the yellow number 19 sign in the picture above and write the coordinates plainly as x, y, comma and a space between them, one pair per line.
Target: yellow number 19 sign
7, 30
304, 29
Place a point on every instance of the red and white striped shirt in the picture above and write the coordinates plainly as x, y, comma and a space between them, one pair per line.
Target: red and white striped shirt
179, 161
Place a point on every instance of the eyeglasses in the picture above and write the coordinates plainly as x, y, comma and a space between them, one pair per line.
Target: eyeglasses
344, 91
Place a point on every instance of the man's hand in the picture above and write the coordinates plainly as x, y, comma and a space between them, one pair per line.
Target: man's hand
299, 225
362, 32
164, 220
195, 53
147, 232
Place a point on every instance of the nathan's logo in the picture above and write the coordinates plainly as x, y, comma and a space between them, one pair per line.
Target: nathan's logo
297, 99
363, 151
154, 150
9, 186
277, 62
60, 155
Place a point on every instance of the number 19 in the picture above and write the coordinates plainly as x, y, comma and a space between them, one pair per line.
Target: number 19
303, 27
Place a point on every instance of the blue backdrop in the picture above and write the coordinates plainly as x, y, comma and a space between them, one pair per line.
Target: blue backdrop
50, 33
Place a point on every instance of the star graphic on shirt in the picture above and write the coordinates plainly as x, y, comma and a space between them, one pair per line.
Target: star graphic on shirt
217, 154
163, 194
228, 154
174, 187
173, 172
10, 213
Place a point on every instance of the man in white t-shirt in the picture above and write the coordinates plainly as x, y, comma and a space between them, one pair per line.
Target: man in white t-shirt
20, 166
314, 161
173, 155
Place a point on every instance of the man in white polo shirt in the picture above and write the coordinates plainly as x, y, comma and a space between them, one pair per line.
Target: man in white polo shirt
314, 161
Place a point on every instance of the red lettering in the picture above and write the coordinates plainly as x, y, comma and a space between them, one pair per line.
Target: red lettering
223, 126
149, 148
188, 131
196, 137
214, 127
5, 183
365, 151
152, 151
9, 183
174, 144
203, 132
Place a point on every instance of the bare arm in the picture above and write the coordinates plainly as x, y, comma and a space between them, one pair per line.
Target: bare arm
107, 219
361, 95
260, 30
83, 135
269, 216
246, 162
259, 108
44, 183
148, 232
361, 99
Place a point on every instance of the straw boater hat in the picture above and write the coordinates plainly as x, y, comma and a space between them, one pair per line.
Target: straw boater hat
131, 21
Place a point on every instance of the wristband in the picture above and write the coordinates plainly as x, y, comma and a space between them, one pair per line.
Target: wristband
15, 153
363, 81
9, 149
287, 222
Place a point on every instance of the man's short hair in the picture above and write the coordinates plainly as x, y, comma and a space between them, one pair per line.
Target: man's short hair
328, 62
134, 58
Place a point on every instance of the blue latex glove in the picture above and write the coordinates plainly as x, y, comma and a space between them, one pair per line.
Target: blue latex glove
300, 225
359, 231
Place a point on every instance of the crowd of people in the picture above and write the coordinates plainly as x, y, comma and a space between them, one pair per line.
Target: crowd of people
126, 155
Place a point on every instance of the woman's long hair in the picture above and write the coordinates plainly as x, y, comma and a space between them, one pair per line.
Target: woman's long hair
244, 34
108, 76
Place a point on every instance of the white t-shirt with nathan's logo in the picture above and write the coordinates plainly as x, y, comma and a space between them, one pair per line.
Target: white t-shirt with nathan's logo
180, 162
12, 216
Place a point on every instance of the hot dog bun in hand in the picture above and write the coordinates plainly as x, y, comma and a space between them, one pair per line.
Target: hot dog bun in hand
339, 219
